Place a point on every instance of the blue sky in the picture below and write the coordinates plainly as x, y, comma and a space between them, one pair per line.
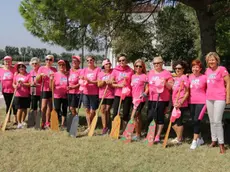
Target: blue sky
12, 31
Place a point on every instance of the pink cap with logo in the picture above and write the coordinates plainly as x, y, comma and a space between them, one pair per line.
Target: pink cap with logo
76, 58
7, 58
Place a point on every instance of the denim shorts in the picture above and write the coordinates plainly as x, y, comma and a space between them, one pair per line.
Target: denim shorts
90, 101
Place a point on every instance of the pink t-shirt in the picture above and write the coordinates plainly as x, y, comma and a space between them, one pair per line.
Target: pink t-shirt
60, 85
90, 89
22, 90
102, 76
138, 84
73, 80
120, 75
47, 71
176, 87
215, 83
7, 77
33, 73
153, 76
198, 85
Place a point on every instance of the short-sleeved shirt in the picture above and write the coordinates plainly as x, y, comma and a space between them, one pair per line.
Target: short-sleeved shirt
74, 75
138, 85
32, 76
22, 90
7, 77
60, 85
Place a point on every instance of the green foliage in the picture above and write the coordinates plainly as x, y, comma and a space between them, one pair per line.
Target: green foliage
11, 51
2, 53
176, 34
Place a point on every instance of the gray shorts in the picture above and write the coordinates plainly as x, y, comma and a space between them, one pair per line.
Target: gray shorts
90, 101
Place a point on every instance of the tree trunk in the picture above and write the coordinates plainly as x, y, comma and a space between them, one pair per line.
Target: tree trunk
207, 32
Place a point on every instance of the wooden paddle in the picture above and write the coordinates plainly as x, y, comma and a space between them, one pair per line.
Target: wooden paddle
31, 116
54, 124
94, 121
8, 113
170, 122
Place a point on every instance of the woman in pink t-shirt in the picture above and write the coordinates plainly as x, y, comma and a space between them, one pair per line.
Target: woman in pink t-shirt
121, 76
104, 78
35, 89
44, 73
181, 83
154, 75
22, 96
59, 83
73, 85
197, 100
90, 92
6, 77
217, 96
138, 83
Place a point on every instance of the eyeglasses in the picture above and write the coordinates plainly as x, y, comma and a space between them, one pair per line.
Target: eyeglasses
138, 66
91, 60
178, 68
34, 63
123, 60
49, 60
157, 63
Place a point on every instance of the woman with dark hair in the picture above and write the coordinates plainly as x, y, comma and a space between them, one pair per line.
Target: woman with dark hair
180, 93
122, 78
22, 96
197, 99
6, 77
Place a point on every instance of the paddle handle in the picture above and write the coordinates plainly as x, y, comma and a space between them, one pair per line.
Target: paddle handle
106, 88
53, 93
167, 135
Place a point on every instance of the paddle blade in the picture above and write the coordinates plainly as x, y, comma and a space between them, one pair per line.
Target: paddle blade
69, 121
151, 133
54, 124
31, 119
128, 131
93, 126
38, 121
5, 121
115, 127
74, 126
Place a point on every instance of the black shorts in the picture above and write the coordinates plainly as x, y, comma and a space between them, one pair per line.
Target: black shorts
107, 102
90, 101
34, 102
73, 100
22, 102
46, 94
140, 107
60, 105
179, 121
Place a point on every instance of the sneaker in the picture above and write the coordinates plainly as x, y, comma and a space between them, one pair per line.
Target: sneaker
24, 124
194, 144
176, 141
20, 126
86, 131
136, 138
105, 131
157, 139
47, 125
200, 141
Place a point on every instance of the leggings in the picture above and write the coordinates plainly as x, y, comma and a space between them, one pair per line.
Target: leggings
195, 110
215, 113
61, 105
8, 97
127, 103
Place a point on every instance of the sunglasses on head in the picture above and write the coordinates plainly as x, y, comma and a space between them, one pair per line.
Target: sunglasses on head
138, 66
49, 59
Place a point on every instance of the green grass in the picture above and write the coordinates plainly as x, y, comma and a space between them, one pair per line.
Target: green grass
28, 150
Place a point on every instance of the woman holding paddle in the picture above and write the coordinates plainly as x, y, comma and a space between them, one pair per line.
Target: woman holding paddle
58, 82
180, 93
90, 92
121, 76
197, 99
104, 79
35, 87
22, 96
217, 96
158, 98
44, 74
6, 77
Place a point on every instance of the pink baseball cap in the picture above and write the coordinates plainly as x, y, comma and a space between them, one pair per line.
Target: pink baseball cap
7, 58
77, 58
105, 62
159, 85
61, 61
176, 113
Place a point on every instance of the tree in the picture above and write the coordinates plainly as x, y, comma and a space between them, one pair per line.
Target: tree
2, 54
11, 51
176, 33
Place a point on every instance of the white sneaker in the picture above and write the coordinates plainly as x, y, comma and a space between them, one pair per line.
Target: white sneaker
19, 126
176, 141
200, 141
24, 124
194, 144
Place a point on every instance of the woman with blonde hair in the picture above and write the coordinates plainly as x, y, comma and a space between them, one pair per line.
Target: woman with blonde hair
138, 81
217, 96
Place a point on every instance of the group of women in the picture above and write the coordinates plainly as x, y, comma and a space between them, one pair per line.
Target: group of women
72, 85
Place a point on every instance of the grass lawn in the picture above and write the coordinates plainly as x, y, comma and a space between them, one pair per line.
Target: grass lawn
28, 150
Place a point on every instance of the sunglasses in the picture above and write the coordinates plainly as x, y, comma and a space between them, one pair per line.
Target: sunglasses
123, 60
34, 63
178, 68
49, 60
157, 63
91, 60
138, 66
